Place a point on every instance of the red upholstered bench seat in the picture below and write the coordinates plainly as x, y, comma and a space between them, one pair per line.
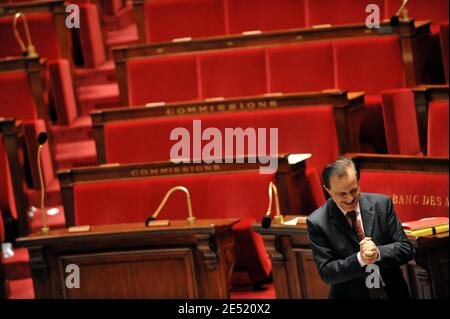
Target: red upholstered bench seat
360, 64
369, 65
206, 18
415, 194
297, 133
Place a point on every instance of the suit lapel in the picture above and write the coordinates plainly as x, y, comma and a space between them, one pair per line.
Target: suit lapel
340, 222
367, 215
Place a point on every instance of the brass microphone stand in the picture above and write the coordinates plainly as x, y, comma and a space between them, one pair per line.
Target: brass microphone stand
28, 50
191, 218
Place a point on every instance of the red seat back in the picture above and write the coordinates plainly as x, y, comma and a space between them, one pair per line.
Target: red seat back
7, 201
301, 68
92, 44
264, 15
369, 64
63, 92
43, 36
400, 122
297, 133
228, 195
16, 98
170, 19
168, 79
438, 129
231, 73
340, 12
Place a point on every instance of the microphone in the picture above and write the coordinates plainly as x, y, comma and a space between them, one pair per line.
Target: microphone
42, 138
395, 20
190, 219
266, 221
29, 50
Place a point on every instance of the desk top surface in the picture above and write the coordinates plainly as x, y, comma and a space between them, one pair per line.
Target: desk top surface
176, 227
301, 229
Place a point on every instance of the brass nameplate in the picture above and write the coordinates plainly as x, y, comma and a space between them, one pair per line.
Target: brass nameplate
79, 229
155, 223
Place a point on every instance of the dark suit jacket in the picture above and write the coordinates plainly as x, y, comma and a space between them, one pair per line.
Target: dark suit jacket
335, 246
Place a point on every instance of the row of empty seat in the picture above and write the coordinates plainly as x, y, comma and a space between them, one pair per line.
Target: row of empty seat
165, 20
370, 65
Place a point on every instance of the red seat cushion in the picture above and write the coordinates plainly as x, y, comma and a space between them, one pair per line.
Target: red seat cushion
168, 79
264, 15
301, 67
438, 129
400, 122
340, 12
20, 289
43, 36
16, 98
369, 64
169, 19
232, 73
415, 194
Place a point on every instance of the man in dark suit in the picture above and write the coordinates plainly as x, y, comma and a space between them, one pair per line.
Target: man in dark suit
356, 237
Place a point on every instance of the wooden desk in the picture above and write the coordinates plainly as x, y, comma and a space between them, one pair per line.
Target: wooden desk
294, 270
132, 261
295, 274
428, 272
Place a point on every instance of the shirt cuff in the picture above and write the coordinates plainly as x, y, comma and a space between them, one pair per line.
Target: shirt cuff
360, 260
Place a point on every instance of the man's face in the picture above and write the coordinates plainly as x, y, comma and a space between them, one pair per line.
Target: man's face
344, 190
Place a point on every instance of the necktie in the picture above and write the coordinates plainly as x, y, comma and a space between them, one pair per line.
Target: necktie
374, 293
356, 225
